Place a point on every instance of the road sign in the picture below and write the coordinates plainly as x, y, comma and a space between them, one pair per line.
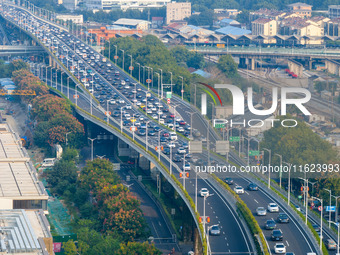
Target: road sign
116, 166
108, 113
258, 163
254, 153
133, 128
320, 208
115, 57
168, 100
75, 96
303, 188
168, 94
220, 45
312, 204
148, 80
219, 125
130, 67
330, 208
195, 146
222, 147
234, 139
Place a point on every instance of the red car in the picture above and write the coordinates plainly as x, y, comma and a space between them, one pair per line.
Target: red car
172, 115
182, 122
166, 134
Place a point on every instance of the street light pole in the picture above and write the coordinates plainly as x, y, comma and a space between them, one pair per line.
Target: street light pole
182, 91
66, 137
280, 175
123, 58
161, 83
138, 72
116, 55
270, 155
289, 166
305, 188
336, 207
130, 65
92, 139
330, 203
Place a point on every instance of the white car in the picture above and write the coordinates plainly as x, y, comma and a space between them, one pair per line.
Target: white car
181, 150
280, 248
204, 192
239, 190
272, 207
121, 101
186, 166
128, 107
261, 211
171, 145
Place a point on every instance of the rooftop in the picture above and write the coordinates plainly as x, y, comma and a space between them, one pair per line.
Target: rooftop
22, 232
299, 4
130, 22
262, 21
231, 30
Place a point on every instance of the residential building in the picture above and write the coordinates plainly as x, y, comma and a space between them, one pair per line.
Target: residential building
157, 22
300, 27
227, 12
263, 26
113, 31
137, 24
267, 13
177, 11
70, 4
334, 11
77, 19
332, 27
301, 9
319, 21
124, 4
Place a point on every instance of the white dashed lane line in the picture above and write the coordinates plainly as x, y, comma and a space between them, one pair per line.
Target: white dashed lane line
256, 201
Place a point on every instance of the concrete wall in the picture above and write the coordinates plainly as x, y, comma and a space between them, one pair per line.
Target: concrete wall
223, 111
332, 66
295, 67
6, 203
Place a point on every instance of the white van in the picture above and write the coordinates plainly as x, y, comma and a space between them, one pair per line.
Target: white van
48, 162
173, 136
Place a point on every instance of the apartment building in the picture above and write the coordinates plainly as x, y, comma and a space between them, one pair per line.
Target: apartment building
177, 11
334, 11
266, 13
124, 4
301, 9
263, 26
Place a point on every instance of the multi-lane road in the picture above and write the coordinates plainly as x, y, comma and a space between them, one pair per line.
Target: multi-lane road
119, 94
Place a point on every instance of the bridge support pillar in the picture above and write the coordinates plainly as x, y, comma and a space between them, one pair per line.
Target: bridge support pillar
242, 63
144, 163
251, 63
197, 242
310, 64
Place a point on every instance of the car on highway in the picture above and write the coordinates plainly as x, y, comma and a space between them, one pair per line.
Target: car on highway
186, 166
277, 235
253, 187
330, 244
181, 150
166, 151
229, 181
172, 145
141, 132
214, 230
283, 218
204, 192
177, 158
279, 248
316, 228
239, 190
270, 224
261, 211
291, 253
272, 207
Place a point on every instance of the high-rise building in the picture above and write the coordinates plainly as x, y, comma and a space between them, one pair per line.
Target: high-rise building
177, 11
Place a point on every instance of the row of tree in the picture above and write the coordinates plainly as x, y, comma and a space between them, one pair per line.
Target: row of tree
107, 219
151, 54
52, 114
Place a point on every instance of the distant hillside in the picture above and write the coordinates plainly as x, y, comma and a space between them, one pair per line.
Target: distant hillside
198, 5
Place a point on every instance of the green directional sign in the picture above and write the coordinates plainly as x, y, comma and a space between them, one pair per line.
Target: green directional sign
168, 94
254, 153
219, 125
234, 139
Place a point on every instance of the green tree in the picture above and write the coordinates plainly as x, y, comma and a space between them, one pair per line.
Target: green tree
227, 65
138, 249
70, 248
195, 60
